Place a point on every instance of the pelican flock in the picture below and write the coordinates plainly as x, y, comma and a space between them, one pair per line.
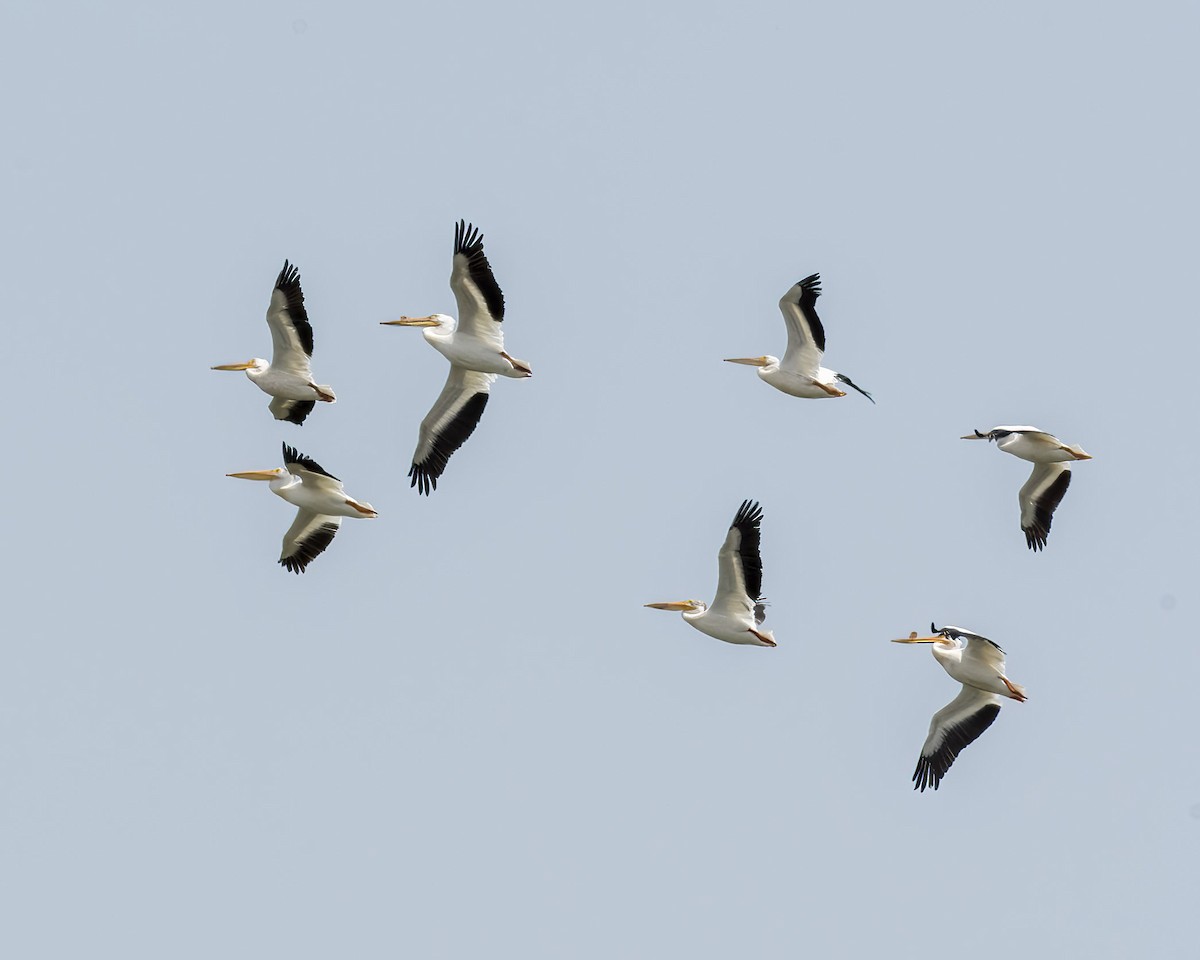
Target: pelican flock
321, 500
800, 373
288, 378
1047, 484
978, 664
738, 610
474, 346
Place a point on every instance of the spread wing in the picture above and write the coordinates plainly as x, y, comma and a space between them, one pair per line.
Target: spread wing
1040, 497
307, 538
450, 421
957, 725
291, 333
806, 336
480, 301
739, 564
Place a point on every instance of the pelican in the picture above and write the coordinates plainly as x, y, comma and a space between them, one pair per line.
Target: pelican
978, 664
1047, 484
303, 482
738, 610
475, 348
288, 378
800, 373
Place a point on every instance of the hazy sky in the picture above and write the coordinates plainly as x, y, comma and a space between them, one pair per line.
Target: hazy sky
460, 734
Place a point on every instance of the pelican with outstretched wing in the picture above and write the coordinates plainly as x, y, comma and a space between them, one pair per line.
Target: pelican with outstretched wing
288, 378
738, 610
474, 345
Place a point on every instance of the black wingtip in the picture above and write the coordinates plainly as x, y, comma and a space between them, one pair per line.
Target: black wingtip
852, 385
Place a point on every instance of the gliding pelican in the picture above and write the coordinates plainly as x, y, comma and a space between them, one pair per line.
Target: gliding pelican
288, 377
1047, 484
475, 348
978, 664
800, 373
737, 611
318, 493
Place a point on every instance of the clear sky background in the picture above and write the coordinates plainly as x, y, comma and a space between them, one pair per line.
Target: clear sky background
460, 734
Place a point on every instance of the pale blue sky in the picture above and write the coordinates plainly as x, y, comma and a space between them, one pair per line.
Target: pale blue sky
460, 735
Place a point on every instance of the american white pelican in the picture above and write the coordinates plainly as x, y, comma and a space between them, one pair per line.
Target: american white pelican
475, 348
800, 373
1048, 482
288, 377
978, 664
738, 610
322, 502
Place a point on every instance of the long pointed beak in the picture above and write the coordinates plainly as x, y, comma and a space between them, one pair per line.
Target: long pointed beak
749, 361
234, 366
673, 605
913, 638
257, 474
410, 322
974, 436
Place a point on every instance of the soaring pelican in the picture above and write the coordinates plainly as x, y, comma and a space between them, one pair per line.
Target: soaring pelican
800, 372
738, 610
322, 501
978, 664
475, 348
288, 377
1048, 482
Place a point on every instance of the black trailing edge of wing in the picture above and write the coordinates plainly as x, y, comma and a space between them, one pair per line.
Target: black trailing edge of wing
311, 547
853, 386
292, 455
288, 283
747, 522
424, 475
469, 242
930, 770
810, 289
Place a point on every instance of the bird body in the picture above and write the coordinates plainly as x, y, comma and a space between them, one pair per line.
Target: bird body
979, 665
288, 377
737, 610
321, 501
1041, 494
474, 345
800, 373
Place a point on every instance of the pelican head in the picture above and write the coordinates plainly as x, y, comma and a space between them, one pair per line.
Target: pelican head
682, 606
274, 474
754, 361
253, 366
433, 320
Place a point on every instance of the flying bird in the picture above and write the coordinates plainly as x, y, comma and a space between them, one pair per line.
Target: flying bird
800, 373
303, 482
475, 348
1047, 484
738, 609
288, 377
978, 664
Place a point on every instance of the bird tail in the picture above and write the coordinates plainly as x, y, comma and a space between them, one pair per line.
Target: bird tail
325, 393
1016, 691
1078, 452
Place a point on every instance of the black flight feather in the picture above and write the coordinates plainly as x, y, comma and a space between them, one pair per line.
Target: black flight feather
288, 283
469, 242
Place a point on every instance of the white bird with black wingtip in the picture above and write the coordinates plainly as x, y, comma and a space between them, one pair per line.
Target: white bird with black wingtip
288, 378
978, 664
1047, 484
800, 373
474, 345
322, 503
738, 610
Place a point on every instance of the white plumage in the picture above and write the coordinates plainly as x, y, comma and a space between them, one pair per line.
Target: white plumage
288, 378
1041, 494
321, 500
737, 610
474, 345
978, 664
800, 373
